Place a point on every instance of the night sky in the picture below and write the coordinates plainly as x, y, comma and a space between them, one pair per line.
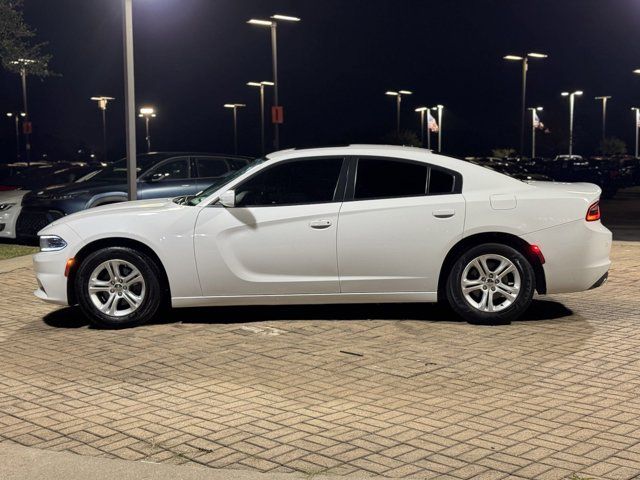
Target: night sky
192, 56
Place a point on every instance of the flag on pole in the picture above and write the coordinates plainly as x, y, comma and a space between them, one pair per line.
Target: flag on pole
536, 121
432, 125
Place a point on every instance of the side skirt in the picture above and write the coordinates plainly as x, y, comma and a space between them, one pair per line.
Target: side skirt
315, 299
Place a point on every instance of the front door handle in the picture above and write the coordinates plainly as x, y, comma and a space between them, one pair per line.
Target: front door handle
320, 224
444, 213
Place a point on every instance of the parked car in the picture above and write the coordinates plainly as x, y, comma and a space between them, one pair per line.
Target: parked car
351, 224
575, 168
160, 175
35, 177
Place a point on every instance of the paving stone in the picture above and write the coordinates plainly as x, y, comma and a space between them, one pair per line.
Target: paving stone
270, 389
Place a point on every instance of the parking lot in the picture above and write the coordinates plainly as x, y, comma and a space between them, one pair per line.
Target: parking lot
394, 390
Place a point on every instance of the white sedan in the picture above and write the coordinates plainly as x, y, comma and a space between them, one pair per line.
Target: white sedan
357, 224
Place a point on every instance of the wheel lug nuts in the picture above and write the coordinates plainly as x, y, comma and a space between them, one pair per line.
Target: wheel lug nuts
484, 288
484, 279
493, 288
111, 290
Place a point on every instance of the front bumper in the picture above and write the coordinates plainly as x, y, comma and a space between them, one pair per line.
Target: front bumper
576, 253
50, 268
32, 220
8, 221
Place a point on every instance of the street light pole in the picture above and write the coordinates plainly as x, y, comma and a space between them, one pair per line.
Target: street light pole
604, 116
439, 108
234, 107
147, 113
24, 62
637, 125
102, 105
572, 99
525, 68
398, 96
16, 117
533, 129
273, 25
421, 111
261, 86
129, 100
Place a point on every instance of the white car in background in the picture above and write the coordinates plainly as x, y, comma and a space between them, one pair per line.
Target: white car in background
10, 205
355, 224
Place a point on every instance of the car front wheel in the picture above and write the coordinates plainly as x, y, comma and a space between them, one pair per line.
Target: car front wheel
118, 287
491, 283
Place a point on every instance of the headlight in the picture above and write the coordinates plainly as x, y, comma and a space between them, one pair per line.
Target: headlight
6, 206
51, 243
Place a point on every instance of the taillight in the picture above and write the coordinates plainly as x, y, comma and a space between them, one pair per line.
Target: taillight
535, 249
593, 213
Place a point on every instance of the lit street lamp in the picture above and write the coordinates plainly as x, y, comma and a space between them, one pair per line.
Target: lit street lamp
604, 116
17, 116
421, 111
147, 113
273, 24
261, 86
23, 63
637, 120
129, 100
572, 100
102, 105
525, 67
398, 96
439, 108
535, 124
235, 107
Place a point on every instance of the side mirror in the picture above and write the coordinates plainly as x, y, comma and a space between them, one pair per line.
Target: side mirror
228, 199
156, 177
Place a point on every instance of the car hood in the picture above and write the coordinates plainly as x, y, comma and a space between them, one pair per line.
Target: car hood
70, 188
138, 207
12, 196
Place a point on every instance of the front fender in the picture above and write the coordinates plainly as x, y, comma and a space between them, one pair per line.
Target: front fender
105, 198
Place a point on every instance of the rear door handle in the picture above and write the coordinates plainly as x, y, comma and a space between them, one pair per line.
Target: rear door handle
444, 213
320, 224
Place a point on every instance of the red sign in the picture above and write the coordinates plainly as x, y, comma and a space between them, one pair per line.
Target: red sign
27, 128
277, 114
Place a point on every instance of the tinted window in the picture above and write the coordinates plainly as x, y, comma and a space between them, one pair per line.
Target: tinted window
440, 182
388, 178
211, 167
173, 170
237, 164
290, 183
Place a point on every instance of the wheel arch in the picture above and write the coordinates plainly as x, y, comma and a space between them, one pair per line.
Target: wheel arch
106, 199
95, 245
492, 237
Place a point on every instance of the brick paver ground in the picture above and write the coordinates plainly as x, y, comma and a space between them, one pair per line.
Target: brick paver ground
400, 390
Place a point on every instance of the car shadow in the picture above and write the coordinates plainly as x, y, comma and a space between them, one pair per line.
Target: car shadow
539, 310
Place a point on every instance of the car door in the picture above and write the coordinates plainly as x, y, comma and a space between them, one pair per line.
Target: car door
397, 223
280, 238
209, 170
170, 178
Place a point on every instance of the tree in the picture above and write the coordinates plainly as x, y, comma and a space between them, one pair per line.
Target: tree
613, 146
503, 152
16, 42
405, 137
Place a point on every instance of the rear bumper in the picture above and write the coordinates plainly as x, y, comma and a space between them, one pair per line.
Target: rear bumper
576, 253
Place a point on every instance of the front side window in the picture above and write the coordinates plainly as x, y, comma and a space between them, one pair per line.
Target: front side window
379, 178
211, 167
291, 183
172, 170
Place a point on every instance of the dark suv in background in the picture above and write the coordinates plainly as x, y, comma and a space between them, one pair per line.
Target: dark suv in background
160, 175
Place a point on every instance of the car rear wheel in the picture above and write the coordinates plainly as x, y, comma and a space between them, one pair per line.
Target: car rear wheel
118, 287
491, 283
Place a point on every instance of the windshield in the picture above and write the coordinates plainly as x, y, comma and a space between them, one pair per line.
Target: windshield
223, 181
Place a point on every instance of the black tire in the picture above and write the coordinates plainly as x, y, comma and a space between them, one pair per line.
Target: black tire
472, 314
153, 291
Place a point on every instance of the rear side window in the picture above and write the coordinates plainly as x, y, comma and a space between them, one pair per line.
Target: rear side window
377, 178
237, 164
211, 167
441, 182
